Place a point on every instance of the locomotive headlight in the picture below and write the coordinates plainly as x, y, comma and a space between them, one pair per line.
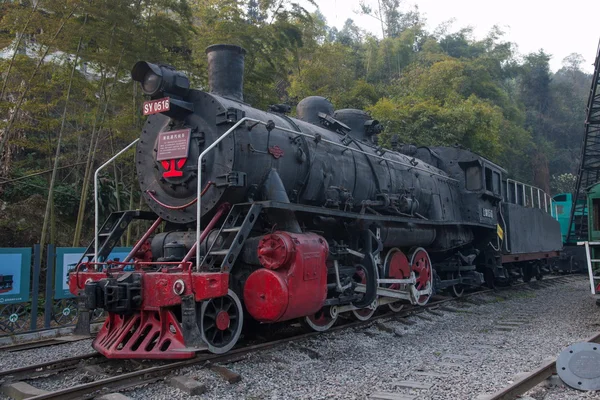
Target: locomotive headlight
151, 83
159, 80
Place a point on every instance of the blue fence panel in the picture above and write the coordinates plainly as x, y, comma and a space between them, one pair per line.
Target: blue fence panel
15, 274
66, 261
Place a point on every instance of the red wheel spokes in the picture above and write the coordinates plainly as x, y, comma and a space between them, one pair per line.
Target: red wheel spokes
422, 269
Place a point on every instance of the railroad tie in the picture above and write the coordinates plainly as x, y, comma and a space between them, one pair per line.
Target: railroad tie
112, 396
227, 374
21, 390
187, 384
413, 385
430, 374
434, 312
383, 327
425, 317
312, 354
390, 396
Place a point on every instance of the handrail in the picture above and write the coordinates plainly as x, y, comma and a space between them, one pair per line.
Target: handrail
297, 133
530, 188
96, 208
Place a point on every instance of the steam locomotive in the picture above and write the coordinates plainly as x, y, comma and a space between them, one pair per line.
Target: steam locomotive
268, 218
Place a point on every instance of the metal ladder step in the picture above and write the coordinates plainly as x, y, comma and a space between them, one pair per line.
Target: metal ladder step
221, 252
234, 229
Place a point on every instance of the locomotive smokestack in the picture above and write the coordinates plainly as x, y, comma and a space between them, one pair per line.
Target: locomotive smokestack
226, 70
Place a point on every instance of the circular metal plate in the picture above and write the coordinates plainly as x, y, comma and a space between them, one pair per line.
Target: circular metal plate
579, 366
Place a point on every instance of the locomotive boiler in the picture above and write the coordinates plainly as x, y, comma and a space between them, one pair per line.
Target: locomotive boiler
270, 218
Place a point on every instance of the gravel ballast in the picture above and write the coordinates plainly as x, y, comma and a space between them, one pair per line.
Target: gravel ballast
466, 351
44, 354
467, 348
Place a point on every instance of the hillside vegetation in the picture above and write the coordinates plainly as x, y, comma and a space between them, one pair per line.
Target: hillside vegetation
67, 103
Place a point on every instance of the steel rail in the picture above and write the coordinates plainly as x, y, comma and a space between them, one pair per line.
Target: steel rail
148, 375
31, 371
532, 379
36, 344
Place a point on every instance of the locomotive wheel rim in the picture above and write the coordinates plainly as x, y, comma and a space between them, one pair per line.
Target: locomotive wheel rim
420, 264
321, 321
219, 340
456, 290
364, 314
398, 305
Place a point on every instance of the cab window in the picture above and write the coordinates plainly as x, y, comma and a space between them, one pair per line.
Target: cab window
473, 178
492, 181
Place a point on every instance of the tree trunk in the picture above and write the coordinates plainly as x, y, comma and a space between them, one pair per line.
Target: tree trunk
50, 200
88, 168
541, 171
28, 86
12, 59
92, 153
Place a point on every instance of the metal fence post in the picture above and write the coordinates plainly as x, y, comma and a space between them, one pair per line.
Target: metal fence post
36, 285
50, 263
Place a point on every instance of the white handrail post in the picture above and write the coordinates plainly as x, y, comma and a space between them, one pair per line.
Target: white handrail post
531, 192
590, 269
96, 208
199, 202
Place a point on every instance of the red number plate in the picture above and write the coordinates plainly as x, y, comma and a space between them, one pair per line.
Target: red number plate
156, 106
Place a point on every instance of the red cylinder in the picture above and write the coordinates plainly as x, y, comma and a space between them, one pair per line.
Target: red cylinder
266, 295
294, 281
275, 250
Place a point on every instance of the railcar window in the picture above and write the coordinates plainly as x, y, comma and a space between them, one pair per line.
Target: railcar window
489, 183
473, 178
496, 183
560, 197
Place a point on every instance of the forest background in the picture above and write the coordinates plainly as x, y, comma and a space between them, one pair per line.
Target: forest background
67, 103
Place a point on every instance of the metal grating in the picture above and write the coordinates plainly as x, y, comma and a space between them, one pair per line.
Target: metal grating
589, 168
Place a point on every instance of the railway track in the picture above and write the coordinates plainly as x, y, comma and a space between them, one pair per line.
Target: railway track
151, 374
44, 343
531, 379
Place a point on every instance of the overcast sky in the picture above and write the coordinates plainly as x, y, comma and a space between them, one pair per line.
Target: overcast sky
560, 28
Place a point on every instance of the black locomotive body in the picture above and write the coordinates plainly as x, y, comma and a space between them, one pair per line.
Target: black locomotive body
299, 218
